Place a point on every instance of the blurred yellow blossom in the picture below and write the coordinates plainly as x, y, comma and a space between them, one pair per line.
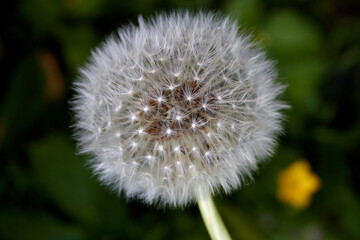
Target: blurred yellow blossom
297, 183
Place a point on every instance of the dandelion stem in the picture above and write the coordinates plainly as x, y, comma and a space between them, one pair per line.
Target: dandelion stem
211, 217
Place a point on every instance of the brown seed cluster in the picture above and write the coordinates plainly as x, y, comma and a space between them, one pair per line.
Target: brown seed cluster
185, 108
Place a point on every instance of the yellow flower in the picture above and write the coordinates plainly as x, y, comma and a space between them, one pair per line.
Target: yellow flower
297, 183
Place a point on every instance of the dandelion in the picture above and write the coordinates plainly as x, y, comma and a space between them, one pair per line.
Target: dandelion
202, 95
297, 183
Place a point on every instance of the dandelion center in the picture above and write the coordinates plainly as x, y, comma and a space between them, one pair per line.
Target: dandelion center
181, 113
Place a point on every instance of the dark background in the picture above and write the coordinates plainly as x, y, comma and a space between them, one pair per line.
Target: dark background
47, 192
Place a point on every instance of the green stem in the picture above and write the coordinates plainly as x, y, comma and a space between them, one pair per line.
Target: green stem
212, 219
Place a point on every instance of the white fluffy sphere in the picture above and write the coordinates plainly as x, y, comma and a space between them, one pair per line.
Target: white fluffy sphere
181, 102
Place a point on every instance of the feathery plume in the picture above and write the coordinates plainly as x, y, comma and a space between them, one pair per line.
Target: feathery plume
181, 102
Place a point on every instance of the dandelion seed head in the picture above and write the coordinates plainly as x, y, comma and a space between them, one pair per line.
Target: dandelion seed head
168, 131
196, 105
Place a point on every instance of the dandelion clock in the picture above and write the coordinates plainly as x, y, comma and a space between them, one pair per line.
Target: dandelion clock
177, 109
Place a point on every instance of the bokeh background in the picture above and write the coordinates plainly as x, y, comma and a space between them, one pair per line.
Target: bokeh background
309, 190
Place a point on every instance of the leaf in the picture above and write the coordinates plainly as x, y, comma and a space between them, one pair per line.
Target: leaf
17, 225
63, 176
81, 8
44, 16
247, 12
292, 35
23, 102
77, 42
304, 77
242, 226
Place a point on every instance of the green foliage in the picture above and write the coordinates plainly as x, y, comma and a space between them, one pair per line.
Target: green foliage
23, 100
42, 15
56, 167
19, 225
77, 42
247, 12
297, 43
292, 35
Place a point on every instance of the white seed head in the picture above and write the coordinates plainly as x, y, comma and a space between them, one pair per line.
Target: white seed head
204, 113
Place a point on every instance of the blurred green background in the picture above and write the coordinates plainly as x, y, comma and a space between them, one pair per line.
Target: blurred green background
46, 190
